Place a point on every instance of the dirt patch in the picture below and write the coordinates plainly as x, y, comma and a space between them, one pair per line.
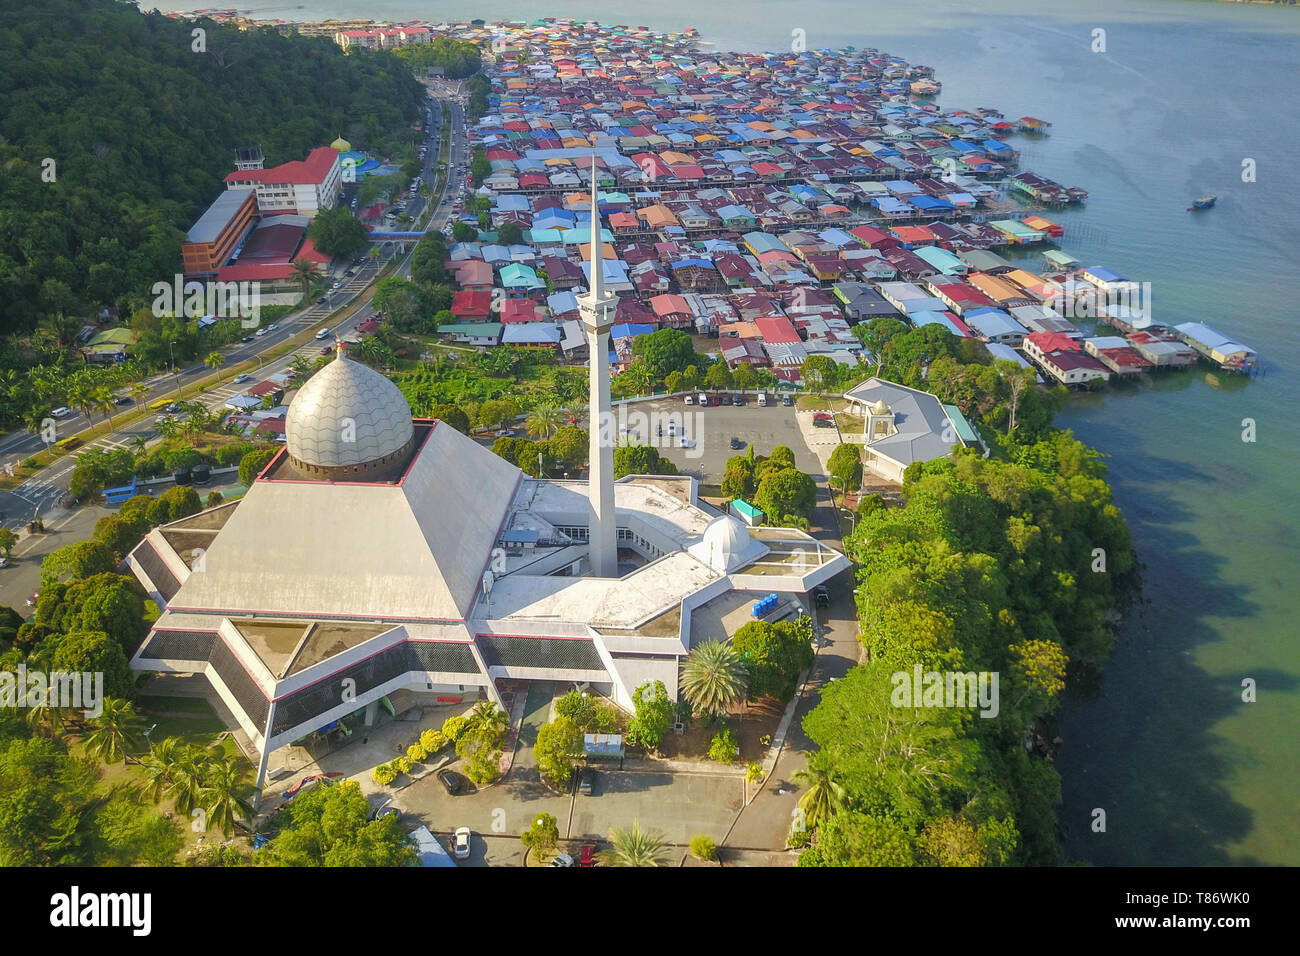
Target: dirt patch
757, 721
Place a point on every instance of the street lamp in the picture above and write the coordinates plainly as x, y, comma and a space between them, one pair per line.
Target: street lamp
176, 373
844, 489
853, 521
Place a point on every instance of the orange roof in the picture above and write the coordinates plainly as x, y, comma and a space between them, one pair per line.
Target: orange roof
657, 216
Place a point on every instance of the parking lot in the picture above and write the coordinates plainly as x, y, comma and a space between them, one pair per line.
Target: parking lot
712, 429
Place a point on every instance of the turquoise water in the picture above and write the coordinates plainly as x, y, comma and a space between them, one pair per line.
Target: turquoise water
1186, 772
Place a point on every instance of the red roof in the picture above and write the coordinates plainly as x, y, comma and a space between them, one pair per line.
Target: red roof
518, 310
1053, 342
776, 328
475, 303
311, 172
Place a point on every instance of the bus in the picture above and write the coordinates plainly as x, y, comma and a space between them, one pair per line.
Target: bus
160, 404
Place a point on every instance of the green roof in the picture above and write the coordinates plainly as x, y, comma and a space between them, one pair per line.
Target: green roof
478, 329
118, 337
964, 429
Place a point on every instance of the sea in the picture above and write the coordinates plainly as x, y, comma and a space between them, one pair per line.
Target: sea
1185, 751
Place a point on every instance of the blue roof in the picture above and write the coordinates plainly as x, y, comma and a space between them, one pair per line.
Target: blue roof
629, 330
1105, 275
992, 323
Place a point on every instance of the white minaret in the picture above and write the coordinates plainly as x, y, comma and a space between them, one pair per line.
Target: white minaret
597, 309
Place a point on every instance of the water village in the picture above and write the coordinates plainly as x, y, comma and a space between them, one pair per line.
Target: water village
772, 201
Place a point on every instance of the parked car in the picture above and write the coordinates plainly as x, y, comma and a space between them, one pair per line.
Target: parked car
762, 399
688, 400
587, 855
738, 399
452, 782
586, 781
787, 400
736, 444
460, 843
561, 859
33, 598
823, 420
4, 562
686, 443
822, 596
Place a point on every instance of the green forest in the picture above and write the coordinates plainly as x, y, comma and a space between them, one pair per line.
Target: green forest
1011, 564
118, 128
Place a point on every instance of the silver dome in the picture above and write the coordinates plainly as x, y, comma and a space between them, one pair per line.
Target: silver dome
347, 414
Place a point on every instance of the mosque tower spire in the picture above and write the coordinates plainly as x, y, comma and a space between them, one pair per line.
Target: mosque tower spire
597, 310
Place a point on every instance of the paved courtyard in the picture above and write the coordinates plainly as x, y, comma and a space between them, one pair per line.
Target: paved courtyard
713, 428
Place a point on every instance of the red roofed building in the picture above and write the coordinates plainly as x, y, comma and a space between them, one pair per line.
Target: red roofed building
301, 187
518, 310
776, 328
472, 305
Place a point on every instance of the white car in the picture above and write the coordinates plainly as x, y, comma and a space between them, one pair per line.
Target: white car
460, 843
323, 334
61, 412
686, 443
239, 379
261, 332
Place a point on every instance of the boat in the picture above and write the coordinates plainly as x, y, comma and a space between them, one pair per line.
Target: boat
1203, 202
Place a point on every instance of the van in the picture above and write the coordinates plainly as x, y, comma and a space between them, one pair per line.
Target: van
61, 412
762, 399
688, 400
704, 399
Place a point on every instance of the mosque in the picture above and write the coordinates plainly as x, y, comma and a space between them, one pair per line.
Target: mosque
379, 553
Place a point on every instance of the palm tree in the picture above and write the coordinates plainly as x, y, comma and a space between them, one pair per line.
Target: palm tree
103, 401
825, 795
139, 392
633, 847
713, 678
489, 718
167, 427
544, 420
305, 272
302, 367
185, 781
116, 729
215, 361
140, 442
157, 765
44, 714
222, 794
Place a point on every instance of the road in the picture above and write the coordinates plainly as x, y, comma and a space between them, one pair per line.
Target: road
36, 494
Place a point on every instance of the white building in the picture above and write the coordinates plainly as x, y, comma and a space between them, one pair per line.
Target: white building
300, 187
904, 425
378, 554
